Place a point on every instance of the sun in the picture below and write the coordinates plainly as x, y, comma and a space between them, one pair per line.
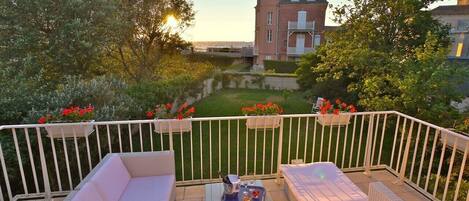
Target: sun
171, 21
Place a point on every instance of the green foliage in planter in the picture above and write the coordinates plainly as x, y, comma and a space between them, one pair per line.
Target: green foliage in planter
280, 66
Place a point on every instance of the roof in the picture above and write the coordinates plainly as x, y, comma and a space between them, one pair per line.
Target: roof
451, 10
302, 1
331, 28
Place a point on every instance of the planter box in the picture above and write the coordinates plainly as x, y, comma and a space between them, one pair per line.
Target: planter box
261, 122
334, 120
460, 144
173, 125
68, 130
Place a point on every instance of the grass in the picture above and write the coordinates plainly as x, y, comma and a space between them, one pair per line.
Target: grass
228, 102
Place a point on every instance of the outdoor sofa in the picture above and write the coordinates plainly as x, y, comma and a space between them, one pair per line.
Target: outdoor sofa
146, 176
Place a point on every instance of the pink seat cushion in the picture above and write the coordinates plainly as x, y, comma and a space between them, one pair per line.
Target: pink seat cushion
111, 179
156, 188
87, 192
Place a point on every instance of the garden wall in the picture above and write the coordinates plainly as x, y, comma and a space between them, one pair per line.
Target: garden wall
245, 81
261, 81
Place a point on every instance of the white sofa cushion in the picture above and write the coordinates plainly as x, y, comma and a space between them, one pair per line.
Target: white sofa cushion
149, 163
156, 188
87, 193
111, 179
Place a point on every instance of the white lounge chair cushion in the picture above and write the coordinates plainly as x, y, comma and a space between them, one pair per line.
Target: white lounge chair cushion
88, 192
156, 188
320, 181
111, 179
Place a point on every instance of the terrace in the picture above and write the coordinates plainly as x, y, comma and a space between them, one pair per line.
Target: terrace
415, 159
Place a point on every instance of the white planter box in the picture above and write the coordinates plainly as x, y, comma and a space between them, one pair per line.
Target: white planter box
173, 125
69, 131
261, 122
460, 144
334, 120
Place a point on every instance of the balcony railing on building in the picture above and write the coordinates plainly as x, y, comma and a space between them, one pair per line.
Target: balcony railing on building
294, 51
431, 159
298, 26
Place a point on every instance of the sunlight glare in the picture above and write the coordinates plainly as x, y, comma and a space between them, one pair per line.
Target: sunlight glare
171, 22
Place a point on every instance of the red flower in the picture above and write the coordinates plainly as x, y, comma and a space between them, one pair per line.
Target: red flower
183, 106
168, 106
352, 109
323, 110
336, 111
343, 105
338, 101
191, 110
90, 108
42, 120
150, 114
180, 116
82, 112
66, 112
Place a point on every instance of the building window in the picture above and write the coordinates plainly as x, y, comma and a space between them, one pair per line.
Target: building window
269, 36
268, 57
269, 18
317, 40
459, 50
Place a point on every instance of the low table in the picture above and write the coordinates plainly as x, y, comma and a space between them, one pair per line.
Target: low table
214, 192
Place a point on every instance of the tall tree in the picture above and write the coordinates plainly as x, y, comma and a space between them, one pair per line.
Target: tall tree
392, 55
148, 36
56, 38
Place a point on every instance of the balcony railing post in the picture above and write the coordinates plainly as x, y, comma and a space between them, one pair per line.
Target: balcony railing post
369, 142
279, 154
403, 168
45, 174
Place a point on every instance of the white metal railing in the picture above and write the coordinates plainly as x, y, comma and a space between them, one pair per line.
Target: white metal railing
307, 26
297, 51
419, 153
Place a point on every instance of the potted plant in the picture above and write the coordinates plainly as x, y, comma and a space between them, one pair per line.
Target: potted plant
169, 122
265, 116
335, 115
70, 115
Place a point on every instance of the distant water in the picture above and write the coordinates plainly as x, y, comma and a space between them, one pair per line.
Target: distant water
234, 44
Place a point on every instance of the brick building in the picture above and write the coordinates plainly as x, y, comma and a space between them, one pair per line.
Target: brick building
457, 16
286, 29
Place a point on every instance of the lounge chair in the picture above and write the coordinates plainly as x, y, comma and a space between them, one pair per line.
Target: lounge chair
324, 181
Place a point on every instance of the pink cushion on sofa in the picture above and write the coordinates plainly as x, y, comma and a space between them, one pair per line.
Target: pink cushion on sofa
111, 179
156, 188
87, 192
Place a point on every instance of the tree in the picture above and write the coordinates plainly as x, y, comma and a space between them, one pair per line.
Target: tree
146, 38
56, 38
392, 56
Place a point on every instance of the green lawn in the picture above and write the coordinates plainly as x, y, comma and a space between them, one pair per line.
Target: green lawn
228, 102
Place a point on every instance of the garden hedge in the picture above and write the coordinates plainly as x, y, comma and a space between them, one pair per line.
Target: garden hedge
281, 66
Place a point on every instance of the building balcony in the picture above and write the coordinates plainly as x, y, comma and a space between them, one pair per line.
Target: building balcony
293, 51
298, 27
415, 159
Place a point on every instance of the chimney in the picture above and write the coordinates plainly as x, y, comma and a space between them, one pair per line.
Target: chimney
463, 2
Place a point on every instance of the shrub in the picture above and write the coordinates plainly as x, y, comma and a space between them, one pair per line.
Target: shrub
106, 93
222, 62
280, 66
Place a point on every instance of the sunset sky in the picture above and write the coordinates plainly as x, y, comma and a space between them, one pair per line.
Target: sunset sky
233, 20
